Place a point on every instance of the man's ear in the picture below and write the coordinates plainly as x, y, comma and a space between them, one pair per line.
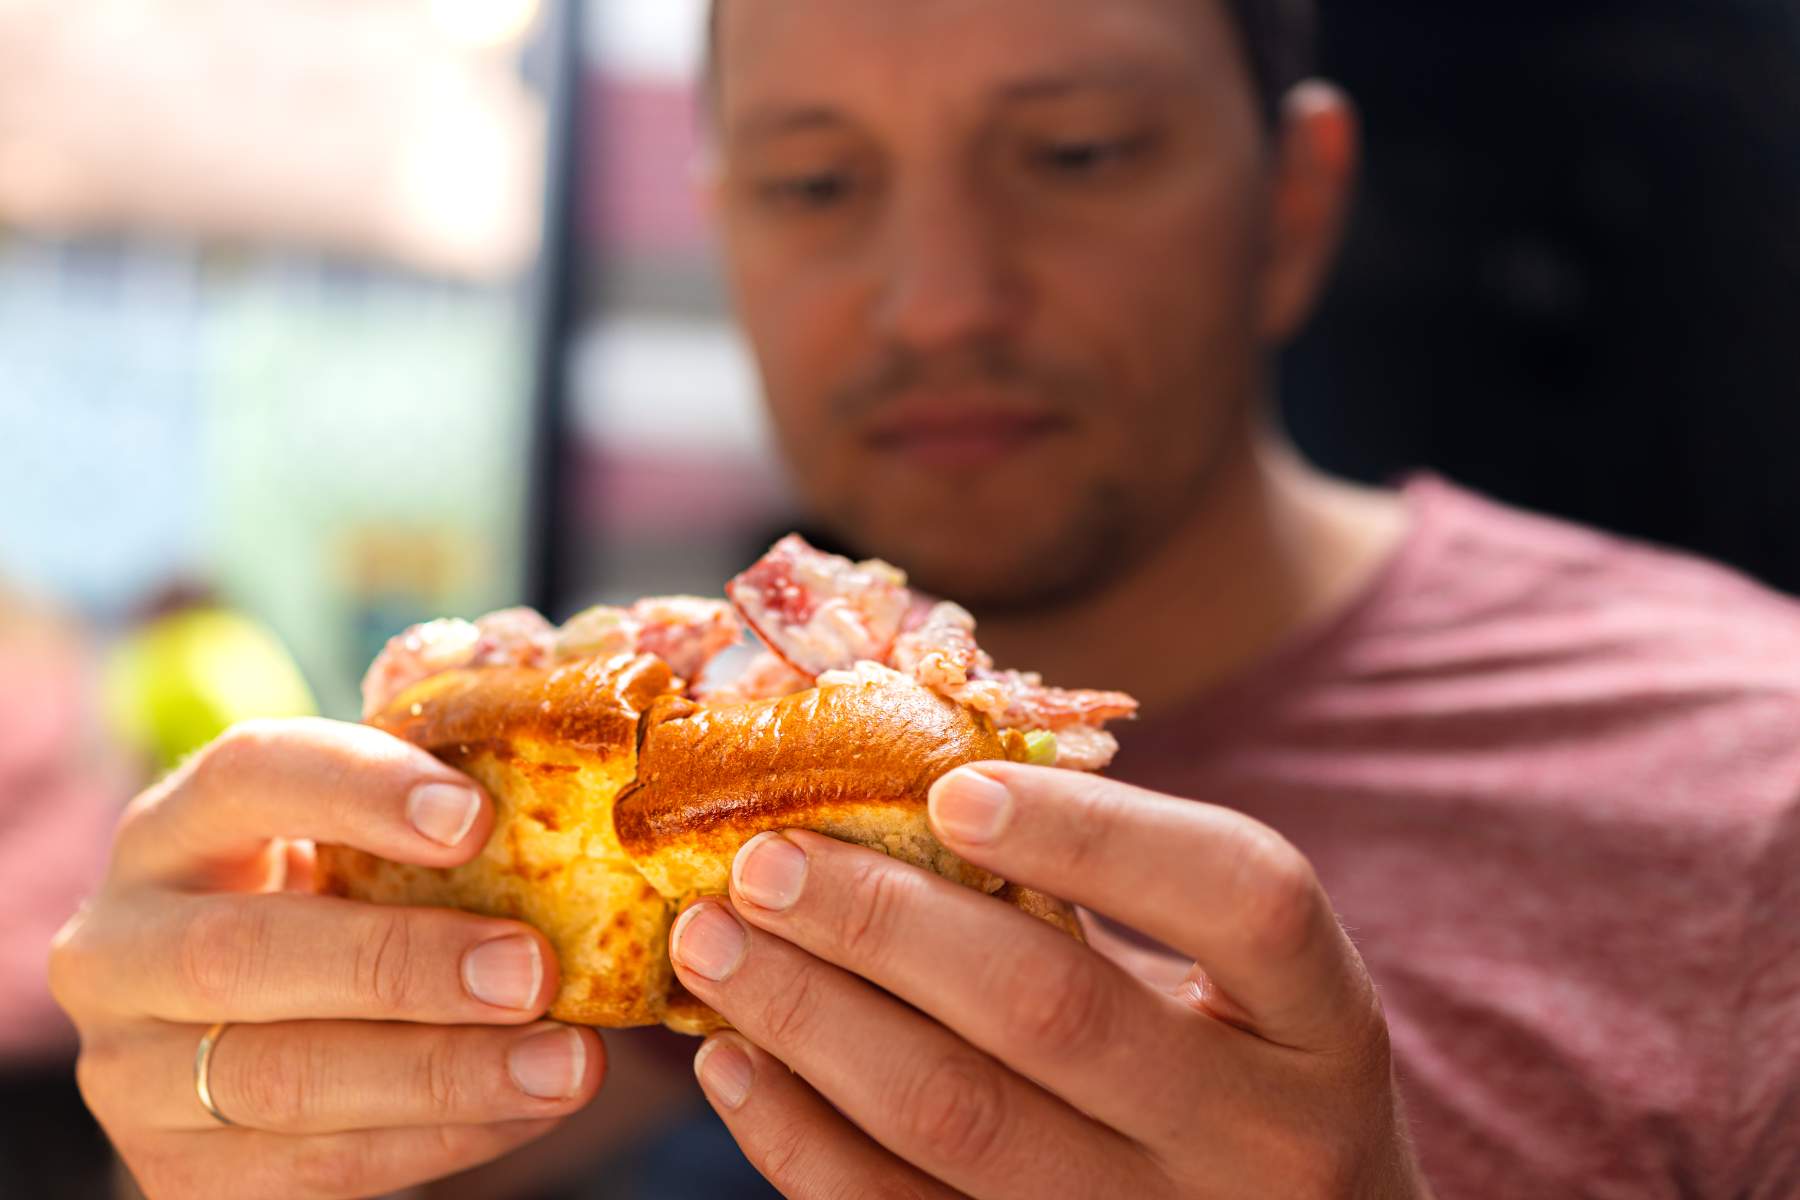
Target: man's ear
1314, 175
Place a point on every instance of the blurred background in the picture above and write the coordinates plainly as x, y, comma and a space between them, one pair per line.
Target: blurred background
319, 317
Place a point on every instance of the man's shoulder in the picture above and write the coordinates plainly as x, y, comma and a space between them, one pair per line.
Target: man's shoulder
1649, 680
1607, 735
1678, 618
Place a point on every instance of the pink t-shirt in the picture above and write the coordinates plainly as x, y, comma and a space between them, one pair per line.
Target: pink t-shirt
1551, 781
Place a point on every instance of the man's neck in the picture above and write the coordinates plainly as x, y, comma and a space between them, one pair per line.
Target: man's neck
1272, 547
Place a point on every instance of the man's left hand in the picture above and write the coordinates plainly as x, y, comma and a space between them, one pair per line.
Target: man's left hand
900, 1035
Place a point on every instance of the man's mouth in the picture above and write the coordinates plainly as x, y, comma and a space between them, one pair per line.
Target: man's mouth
959, 439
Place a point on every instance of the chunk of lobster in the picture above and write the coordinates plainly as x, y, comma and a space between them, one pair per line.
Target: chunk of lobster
766, 676
513, 636
821, 612
684, 631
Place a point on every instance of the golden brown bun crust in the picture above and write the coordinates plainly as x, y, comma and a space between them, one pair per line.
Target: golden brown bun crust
554, 749
852, 760
592, 704
686, 1014
550, 863
1045, 907
564, 751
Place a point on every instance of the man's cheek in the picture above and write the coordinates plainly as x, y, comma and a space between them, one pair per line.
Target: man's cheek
821, 460
794, 365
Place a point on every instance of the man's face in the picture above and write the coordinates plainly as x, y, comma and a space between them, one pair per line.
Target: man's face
1000, 262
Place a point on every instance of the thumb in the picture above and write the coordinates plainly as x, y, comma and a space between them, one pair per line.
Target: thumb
1213, 884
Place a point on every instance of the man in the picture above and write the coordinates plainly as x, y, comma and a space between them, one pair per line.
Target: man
1013, 270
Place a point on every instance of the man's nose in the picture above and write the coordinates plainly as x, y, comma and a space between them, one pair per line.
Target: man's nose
949, 278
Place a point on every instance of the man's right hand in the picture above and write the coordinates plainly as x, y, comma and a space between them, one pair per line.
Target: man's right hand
371, 1048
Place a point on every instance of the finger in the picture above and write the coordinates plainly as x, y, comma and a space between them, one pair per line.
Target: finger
314, 1077
800, 1143
302, 779
283, 957
227, 1164
300, 869
1028, 994
1212, 883
918, 1090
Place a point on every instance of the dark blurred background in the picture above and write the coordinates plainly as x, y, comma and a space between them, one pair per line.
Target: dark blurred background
318, 319
1573, 279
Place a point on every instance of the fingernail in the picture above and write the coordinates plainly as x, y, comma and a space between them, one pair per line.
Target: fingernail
969, 807
769, 871
724, 1071
443, 812
506, 972
708, 941
548, 1065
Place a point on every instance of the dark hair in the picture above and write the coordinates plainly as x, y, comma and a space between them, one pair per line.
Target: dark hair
1280, 40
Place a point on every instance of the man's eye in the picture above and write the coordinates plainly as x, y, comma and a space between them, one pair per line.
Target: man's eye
814, 191
1080, 158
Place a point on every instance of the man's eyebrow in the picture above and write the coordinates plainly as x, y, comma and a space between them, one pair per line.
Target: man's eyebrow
774, 120
1105, 77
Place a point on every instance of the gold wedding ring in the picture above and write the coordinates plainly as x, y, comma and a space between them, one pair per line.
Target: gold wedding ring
203, 1071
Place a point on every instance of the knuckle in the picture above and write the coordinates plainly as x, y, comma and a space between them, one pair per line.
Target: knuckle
215, 777
90, 1076
336, 1166
1377, 1042
1062, 1003
226, 756
385, 967
358, 805
96, 1074
216, 953
1096, 803
793, 1011
269, 1083
879, 891
1272, 893
1365, 1054
788, 1157
130, 826
163, 1173
1319, 1168
463, 1144
441, 1080
783, 1155
140, 823
72, 962
958, 1109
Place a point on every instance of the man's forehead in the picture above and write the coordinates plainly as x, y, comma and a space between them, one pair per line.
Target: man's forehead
785, 50
777, 115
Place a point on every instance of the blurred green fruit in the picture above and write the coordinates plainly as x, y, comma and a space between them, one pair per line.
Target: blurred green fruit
179, 682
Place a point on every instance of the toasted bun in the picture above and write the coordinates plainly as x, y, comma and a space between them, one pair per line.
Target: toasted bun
618, 801
554, 749
852, 760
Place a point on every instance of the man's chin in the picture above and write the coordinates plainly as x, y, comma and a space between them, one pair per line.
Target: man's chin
1006, 570
1011, 594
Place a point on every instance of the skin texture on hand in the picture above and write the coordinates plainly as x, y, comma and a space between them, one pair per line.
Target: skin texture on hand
898, 1030
372, 1049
